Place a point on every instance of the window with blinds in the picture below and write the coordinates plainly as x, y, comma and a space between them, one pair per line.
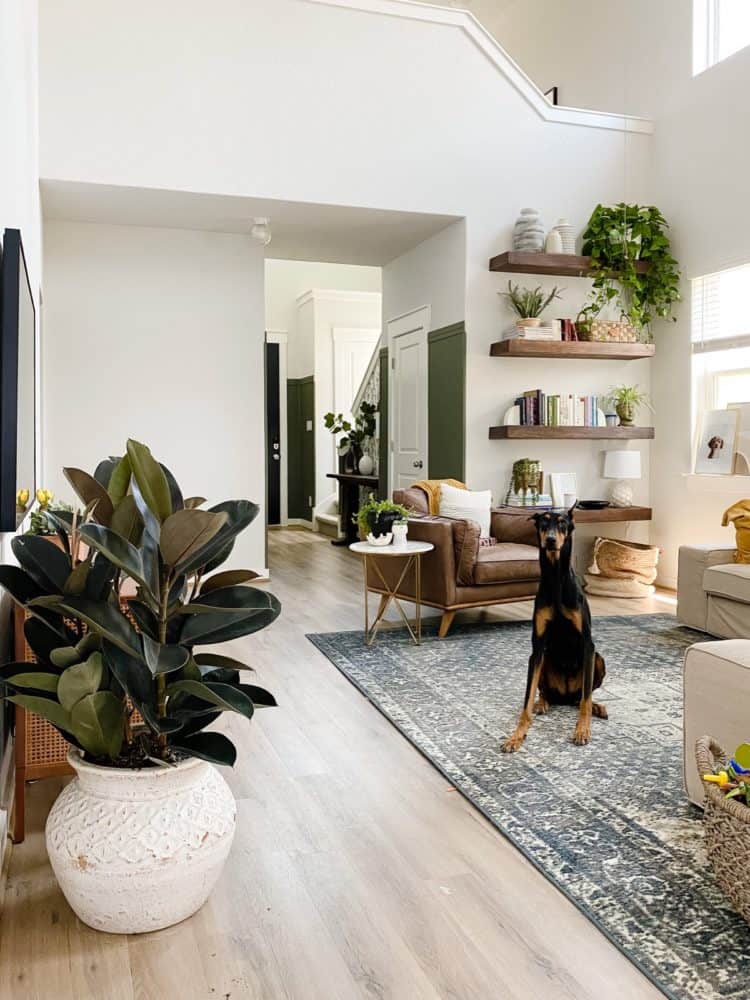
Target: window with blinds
721, 339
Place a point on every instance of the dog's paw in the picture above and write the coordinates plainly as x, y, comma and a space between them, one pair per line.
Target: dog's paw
541, 706
600, 711
582, 734
513, 743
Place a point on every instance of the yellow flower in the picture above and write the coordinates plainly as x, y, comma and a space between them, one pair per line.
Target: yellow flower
22, 498
44, 497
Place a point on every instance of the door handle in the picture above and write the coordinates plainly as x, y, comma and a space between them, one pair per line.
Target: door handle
418, 465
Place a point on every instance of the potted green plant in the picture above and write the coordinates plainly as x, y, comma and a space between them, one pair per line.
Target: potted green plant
355, 435
626, 399
617, 238
528, 303
377, 517
118, 616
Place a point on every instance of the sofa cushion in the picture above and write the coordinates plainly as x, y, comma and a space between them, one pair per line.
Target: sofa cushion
467, 505
730, 580
505, 562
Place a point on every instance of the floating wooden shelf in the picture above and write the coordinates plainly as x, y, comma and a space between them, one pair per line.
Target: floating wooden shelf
562, 433
608, 514
563, 264
592, 349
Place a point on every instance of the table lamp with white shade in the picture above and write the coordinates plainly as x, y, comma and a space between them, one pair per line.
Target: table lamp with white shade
622, 465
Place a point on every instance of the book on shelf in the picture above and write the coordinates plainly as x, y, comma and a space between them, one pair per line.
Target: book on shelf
539, 409
519, 500
547, 331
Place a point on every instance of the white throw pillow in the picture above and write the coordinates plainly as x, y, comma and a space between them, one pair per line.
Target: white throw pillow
467, 505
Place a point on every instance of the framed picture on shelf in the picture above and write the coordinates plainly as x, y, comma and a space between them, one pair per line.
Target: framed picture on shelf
717, 439
742, 448
560, 484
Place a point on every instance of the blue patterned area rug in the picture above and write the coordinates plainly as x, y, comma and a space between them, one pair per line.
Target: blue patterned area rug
609, 823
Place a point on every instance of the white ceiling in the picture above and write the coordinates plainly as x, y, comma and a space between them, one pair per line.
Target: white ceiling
301, 231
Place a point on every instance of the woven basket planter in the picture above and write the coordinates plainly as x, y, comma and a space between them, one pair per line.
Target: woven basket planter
727, 824
609, 331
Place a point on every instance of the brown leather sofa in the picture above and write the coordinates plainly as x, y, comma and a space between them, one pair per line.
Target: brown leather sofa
459, 573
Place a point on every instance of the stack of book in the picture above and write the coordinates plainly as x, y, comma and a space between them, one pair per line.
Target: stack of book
539, 409
527, 500
548, 331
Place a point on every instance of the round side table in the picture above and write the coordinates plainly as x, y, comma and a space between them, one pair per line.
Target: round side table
411, 553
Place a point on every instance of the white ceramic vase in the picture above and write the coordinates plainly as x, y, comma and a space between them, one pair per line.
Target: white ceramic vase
366, 465
400, 531
137, 850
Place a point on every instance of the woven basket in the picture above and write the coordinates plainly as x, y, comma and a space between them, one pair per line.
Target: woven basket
727, 824
610, 331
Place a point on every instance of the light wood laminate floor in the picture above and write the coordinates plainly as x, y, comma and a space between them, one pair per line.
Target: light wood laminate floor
357, 870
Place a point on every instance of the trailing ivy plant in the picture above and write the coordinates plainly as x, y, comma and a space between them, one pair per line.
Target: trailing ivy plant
119, 608
616, 238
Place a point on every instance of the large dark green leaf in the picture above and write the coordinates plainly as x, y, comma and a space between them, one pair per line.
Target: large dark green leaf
163, 659
132, 674
126, 520
149, 544
99, 580
258, 695
97, 721
217, 660
175, 493
117, 549
43, 640
187, 531
80, 680
76, 582
105, 619
91, 492
167, 724
48, 708
261, 608
223, 695
193, 723
119, 480
145, 617
65, 656
103, 471
45, 563
19, 584
229, 578
213, 747
240, 513
151, 480
9, 670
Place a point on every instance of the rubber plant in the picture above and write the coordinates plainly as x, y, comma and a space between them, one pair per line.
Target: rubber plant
617, 238
119, 609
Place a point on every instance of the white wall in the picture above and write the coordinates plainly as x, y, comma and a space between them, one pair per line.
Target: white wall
630, 57
431, 274
469, 143
700, 159
19, 160
157, 334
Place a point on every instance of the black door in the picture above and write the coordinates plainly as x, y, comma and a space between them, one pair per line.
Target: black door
273, 432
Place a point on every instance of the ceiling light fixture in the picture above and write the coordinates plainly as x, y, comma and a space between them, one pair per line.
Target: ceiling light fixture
261, 231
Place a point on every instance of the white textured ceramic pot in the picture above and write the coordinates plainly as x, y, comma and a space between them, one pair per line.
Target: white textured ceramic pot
134, 851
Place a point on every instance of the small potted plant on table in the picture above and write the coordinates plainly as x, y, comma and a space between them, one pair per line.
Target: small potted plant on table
626, 399
139, 837
377, 517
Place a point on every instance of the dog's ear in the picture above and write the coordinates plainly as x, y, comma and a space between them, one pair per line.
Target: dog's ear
571, 518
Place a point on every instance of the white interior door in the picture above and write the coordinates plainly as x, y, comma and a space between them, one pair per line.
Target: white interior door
407, 340
352, 350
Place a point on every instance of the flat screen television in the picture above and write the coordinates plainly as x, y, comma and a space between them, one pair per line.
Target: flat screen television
17, 379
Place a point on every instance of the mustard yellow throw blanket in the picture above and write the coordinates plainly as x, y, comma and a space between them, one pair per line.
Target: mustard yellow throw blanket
739, 515
432, 489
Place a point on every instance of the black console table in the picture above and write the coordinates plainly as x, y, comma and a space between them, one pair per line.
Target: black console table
349, 484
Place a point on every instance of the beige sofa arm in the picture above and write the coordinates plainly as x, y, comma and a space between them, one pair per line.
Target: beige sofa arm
692, 563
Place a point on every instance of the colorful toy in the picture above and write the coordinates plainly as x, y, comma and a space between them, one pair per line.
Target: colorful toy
734, 779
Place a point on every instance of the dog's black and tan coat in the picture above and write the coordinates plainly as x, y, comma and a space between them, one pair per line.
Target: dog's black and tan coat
564, 667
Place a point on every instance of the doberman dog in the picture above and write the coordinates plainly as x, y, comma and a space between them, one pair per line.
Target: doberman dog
564, 666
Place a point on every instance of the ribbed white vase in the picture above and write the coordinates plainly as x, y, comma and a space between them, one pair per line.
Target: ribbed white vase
137, 850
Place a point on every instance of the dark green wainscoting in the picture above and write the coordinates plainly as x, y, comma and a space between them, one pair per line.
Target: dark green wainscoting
446, 394
383, 411
300, 398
